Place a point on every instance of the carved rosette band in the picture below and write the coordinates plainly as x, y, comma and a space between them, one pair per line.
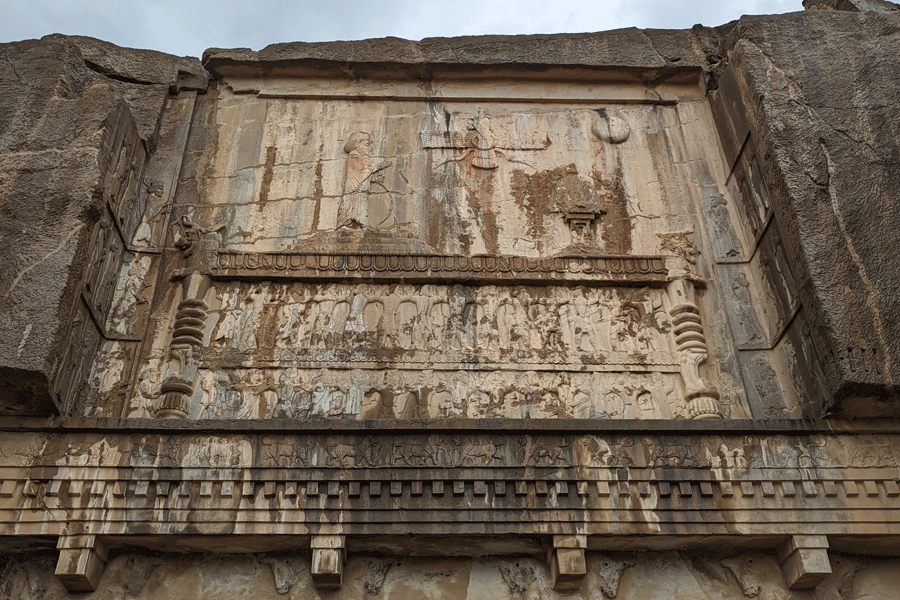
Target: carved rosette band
643, 269
187, 337
690, 343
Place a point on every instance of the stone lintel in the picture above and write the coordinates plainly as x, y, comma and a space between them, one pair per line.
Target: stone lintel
804, 561
82, 559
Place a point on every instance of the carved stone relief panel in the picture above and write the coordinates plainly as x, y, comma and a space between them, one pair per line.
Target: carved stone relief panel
427, 394
750, 305
727, 236
131, 299
102, 271
747, 185
721, 456
459, 177
106, 385
787, 380
123, 176
772, 262
671, 575
161, 175
442, 325
76, 363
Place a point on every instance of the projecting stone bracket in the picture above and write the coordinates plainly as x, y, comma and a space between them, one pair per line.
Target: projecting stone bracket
82, 559
804, 561
567, 563
329, 553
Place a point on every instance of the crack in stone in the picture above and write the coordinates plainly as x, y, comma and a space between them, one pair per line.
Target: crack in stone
12, 67
31, 266
872, 293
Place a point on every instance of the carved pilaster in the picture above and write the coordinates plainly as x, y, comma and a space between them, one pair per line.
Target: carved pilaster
187, 338
690, 342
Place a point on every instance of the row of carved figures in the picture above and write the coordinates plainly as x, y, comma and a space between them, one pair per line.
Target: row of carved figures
439, 315
441, 318
298, 394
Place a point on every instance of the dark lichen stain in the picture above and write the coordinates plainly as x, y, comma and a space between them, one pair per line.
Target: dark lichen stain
615, 229
563, 189
481, 202
317, 198
267, 176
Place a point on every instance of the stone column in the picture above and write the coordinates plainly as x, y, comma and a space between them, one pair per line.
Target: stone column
187, 338
690, 342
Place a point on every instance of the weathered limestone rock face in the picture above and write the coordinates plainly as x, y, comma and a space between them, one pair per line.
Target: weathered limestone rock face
656, 575
823, 116
77, 122
596, 316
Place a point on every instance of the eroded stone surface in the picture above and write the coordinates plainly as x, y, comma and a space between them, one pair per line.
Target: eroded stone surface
818, 134
449, 309
669, 575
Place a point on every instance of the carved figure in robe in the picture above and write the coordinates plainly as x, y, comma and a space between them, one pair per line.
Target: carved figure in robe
614, 406
406, 404
284, 408
740, 288
439, 326
512, 320
354, 325
252, 308
361, 174
442, 403
645, 404
148, 390
250, 393
372, 316
373, 406
153, 213
513, 401
225, 401
126, 307
321, 320
727, 239
582, 404
321, 400
461, 322
291, 314
580, 323
639, 312
406, 318
609, 308
340, 313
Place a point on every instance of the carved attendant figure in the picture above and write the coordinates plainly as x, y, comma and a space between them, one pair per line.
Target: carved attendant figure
361, 173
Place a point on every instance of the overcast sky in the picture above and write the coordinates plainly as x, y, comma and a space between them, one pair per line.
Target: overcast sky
187, 27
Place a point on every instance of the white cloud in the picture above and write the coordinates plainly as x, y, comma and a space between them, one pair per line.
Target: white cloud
187, 28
